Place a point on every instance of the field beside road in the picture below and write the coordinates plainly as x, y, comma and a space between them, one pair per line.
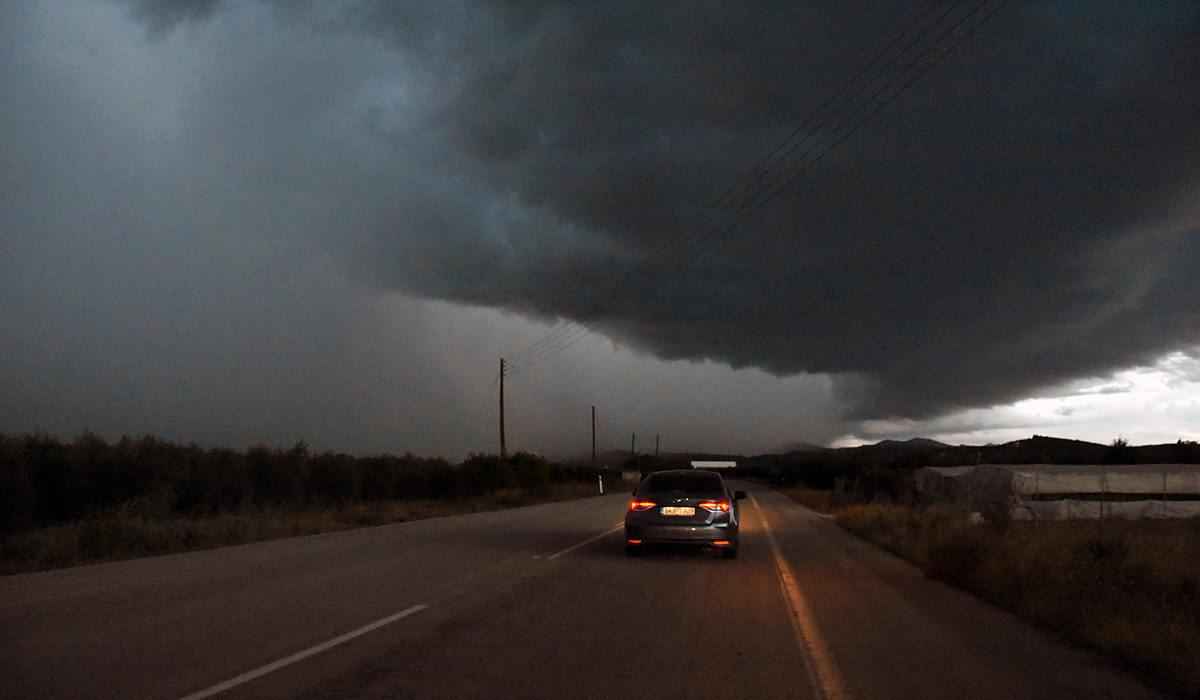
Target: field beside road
1129, 590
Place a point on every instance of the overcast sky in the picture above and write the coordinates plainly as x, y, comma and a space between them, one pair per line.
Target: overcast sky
736, 226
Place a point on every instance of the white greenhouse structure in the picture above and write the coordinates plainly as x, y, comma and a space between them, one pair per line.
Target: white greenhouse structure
1056, 492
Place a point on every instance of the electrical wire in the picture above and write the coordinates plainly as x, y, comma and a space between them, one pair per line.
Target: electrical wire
729, 197
762, 185
563, 403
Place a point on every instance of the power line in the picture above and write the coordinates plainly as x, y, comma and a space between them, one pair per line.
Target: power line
714, 210
565, 404
761, 185
759, 168
559, 400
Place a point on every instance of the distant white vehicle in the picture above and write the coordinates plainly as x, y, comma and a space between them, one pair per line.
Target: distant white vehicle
702, 464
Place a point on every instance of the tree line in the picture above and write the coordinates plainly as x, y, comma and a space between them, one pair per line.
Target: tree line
46, 481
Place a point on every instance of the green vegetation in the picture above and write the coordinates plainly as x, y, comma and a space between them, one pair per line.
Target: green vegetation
66, 503
1127, 589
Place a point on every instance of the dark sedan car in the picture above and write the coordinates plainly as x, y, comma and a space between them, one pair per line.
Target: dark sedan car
685, 506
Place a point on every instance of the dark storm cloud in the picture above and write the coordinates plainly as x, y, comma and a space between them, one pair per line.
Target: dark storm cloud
1027, 213
163, 15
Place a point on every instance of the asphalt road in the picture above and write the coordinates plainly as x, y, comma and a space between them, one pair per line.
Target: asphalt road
535, 602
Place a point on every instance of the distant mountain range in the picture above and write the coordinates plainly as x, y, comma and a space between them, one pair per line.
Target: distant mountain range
918, 443
1033, 450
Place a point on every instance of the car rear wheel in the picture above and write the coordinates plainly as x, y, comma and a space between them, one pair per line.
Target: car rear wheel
730, 553
633, 550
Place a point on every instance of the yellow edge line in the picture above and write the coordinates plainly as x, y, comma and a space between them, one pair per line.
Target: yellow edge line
827, 680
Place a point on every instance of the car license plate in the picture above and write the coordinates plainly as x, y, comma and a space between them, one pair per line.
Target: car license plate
678, 510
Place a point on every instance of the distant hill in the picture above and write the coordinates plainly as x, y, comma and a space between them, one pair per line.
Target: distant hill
1038, 449
915, 443
1042, 449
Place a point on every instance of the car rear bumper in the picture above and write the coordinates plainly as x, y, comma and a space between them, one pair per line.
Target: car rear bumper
682, 534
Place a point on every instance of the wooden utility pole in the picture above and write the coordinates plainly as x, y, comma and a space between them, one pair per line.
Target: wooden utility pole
503, 449
593, 437
656, 445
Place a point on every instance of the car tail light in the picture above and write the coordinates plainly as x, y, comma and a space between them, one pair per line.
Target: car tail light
642, 505
634, 541
716, 506
721, 543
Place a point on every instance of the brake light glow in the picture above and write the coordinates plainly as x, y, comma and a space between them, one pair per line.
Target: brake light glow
642, 505
716, 506
721, 543
635, 541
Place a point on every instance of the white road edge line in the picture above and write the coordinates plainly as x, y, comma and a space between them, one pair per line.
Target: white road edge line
287, 661
590, 540
827, 680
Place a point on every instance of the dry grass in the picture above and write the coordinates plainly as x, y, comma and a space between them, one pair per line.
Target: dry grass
1128, 589
821, 501
140, 528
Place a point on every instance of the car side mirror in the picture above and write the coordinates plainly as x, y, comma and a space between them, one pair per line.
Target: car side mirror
739, 495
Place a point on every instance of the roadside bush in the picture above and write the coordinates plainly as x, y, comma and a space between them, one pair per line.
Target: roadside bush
956, 550
279, 477
891, 527
821, 501
334, 479
17, 494
383, 478
482, 474
216, 481
530, 472
88, 500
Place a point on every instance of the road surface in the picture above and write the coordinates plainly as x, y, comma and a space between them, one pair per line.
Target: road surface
534, 602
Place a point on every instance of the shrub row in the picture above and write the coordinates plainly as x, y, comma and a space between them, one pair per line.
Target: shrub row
45, 481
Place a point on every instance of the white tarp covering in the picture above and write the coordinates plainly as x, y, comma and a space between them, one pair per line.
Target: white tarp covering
1051, 491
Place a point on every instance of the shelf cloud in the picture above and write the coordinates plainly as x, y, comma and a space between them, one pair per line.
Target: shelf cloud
1014, 208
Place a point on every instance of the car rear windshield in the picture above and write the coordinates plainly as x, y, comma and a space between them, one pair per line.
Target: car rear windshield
699, 483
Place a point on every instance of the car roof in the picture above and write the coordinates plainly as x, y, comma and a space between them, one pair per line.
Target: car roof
685, 477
